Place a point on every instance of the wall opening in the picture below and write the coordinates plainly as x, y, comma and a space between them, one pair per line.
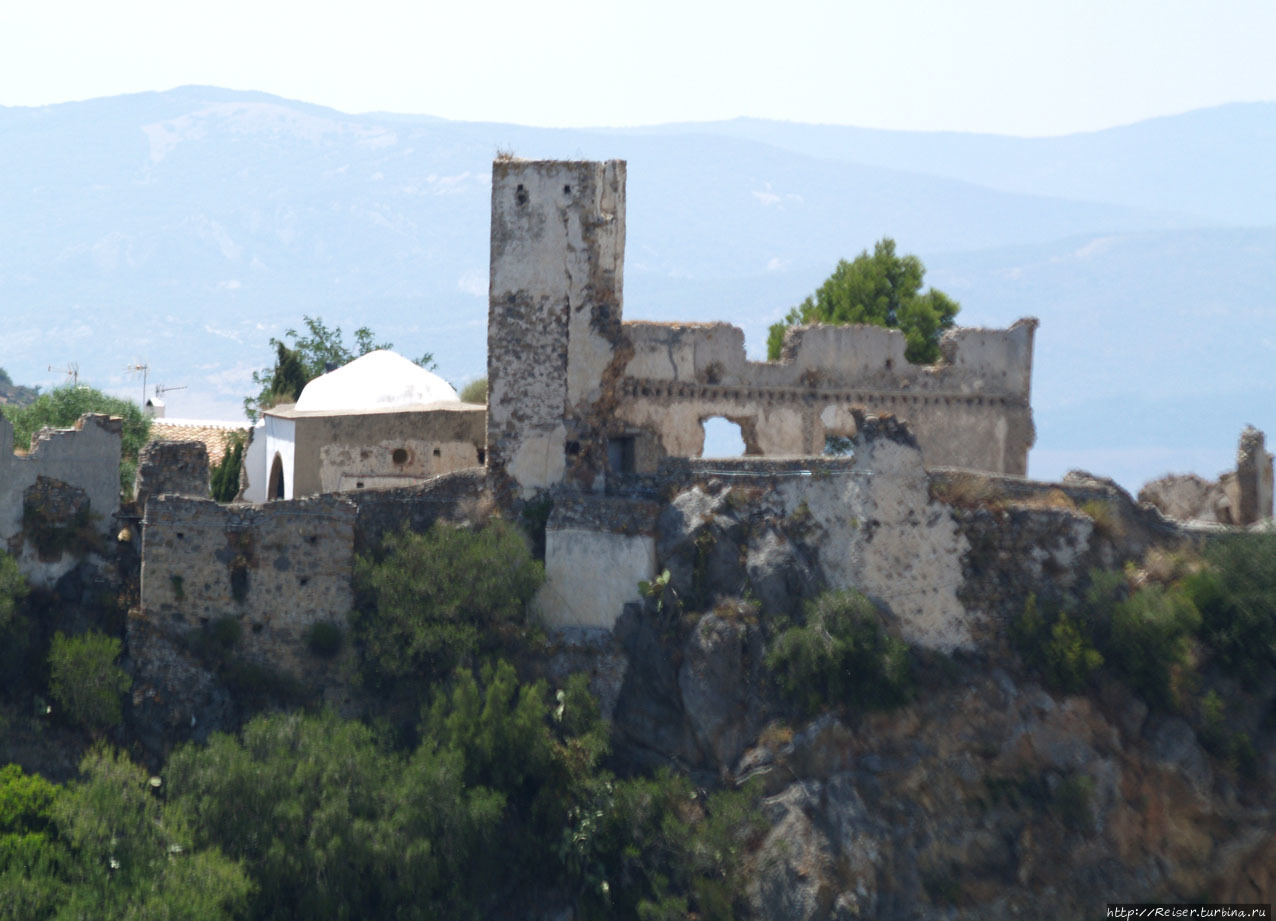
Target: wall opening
275, 487
722, 438
620, 454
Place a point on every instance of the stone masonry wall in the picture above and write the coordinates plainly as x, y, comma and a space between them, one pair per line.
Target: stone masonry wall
173, 468
557, 259
972, 410
83, 460
276, 569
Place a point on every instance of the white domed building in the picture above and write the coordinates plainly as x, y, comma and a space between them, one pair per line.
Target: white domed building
378, 422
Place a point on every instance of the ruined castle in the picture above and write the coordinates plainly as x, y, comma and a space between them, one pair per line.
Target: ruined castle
601, 421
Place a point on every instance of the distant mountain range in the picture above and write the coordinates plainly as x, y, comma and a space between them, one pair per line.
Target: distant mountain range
183, 229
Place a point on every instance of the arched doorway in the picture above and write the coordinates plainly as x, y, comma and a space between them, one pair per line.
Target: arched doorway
275, 486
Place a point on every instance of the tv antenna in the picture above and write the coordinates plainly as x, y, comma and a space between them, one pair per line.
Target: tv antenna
142, 368
160, 389
72, 371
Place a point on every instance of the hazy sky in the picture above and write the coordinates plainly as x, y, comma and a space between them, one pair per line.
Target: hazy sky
1008, 66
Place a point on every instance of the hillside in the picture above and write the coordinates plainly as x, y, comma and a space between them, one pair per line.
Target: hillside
185, 228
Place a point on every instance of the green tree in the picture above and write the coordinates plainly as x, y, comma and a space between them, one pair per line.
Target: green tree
475, 391
85, 680
333, 825
882, 290
307, 357
224, 477
441, 599
61, 408
105, 847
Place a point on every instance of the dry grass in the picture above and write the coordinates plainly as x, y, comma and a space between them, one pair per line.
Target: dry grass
1052, 498
1106, 518
966, 490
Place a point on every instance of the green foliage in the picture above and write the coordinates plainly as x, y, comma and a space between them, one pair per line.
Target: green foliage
325, 638
224, 477
654, 848
475, 391
1222, 741
332, 825
883, 290
1059, 648
306, 358
442, 599
841, 656
105, 848
62, 408
1150, 642
84, 679
1236, 595
13, 588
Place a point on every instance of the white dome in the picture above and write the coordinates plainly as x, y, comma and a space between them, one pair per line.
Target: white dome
377, 380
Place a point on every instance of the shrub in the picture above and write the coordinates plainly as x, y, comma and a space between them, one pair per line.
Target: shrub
1073, 801
1059, 648
325, 638
84, 679
13, 588
475, 391
841, 656
1106, 517
442, 599
1150, 642
1236, 596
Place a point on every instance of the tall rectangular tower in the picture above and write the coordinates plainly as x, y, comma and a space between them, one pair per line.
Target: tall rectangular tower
555, 345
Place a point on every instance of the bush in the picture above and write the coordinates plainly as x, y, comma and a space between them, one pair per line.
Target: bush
475, 391
1236, 596
1057, 646
842, 656
13, 588
84, 679
325, 638
1150, 642
442, 599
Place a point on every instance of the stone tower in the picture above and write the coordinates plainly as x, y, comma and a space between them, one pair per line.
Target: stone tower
555, 344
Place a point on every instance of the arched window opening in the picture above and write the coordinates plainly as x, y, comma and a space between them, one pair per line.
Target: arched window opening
722, 438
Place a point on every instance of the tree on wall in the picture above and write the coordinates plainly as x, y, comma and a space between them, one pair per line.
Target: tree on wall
882, 290
61, 408
308, 356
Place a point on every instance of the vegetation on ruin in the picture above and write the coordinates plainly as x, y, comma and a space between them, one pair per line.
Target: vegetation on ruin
13, 588
882, 289
61, 408
85, 681
306, 356
442, 600
841, 656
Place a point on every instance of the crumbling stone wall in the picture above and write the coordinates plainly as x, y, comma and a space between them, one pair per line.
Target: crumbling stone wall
83, 461
1239, 497
971, 410
275, 569
172, 468
575, 394
554, 343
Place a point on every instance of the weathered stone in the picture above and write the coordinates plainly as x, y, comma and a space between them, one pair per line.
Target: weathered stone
719, 684
172, 468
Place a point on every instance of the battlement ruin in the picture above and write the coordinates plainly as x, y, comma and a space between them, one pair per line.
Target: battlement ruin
576, 393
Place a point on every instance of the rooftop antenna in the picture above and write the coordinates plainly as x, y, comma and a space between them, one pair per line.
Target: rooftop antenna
160, 390
72, 371
142, 368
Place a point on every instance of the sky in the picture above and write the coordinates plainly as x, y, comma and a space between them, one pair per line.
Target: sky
999, 66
